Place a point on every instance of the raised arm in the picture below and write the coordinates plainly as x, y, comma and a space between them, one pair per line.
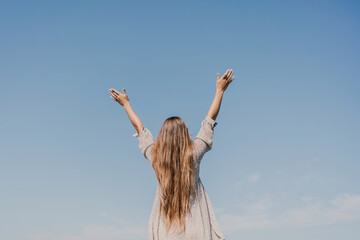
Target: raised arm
123, 100
204, 139
221, 85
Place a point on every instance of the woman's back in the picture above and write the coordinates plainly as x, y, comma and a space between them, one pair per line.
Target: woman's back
181, 194
201, 222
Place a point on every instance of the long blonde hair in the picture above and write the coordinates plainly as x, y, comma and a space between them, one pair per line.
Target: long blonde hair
173, 165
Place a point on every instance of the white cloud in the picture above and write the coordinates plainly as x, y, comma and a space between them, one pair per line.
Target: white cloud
342, 208
261, 205
123, 229
96, 232
312, 179
347, 202
254, 178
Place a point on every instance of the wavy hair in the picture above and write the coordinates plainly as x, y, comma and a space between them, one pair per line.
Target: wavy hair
173, 165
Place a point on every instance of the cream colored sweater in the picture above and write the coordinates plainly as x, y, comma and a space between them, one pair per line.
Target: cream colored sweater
202, 223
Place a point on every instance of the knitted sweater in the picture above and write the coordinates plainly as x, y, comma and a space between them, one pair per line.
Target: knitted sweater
202, 223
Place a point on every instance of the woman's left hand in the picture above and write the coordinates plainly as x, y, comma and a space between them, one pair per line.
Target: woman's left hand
119, 97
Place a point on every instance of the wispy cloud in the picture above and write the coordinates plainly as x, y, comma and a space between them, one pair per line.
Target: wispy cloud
342, 208
312, 178
257, 215
123, 229
261, 205
249, 179
347, 202
96, 232
254, 178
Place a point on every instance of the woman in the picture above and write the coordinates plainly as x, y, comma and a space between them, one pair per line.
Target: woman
182, 208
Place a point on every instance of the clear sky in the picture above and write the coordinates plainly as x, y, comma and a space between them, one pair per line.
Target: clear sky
286, 153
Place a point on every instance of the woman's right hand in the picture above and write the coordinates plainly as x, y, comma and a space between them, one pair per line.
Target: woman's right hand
122, 99
223, 82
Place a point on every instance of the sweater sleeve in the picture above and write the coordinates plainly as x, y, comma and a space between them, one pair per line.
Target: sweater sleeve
146, 142
204, 139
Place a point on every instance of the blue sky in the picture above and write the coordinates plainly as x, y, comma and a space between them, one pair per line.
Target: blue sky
285, 158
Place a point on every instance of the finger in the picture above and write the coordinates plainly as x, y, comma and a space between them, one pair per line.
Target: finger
116, 93
231, 80
230, 74
124, 91
225, 74
113, 98
218, 76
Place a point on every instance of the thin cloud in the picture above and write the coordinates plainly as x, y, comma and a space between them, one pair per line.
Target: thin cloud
261, 205
254, 178
347, 202
96, 232
249, 179
121, 229
342, 208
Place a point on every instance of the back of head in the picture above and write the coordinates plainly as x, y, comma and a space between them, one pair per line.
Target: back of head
173, 165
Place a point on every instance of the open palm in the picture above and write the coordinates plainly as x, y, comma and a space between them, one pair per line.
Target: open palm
121, 98
223, 82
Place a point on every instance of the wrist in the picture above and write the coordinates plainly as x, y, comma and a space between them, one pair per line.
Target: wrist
218, 91
126, 104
